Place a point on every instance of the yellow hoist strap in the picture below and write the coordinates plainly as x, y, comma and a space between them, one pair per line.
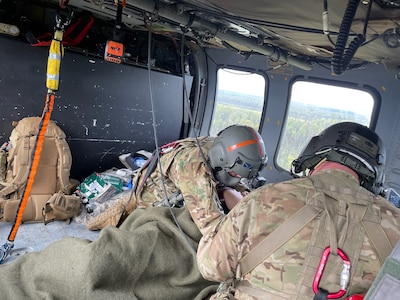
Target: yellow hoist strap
56, 52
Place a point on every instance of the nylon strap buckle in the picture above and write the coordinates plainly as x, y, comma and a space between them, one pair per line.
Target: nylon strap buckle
169, 147
344, 275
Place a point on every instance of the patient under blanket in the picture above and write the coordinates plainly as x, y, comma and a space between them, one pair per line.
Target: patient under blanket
146, 258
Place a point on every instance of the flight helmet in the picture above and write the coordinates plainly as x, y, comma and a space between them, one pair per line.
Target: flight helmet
350, 144
240, 149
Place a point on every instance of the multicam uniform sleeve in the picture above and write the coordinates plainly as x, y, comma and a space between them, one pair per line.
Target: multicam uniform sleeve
216, 254
221, 249
198, 189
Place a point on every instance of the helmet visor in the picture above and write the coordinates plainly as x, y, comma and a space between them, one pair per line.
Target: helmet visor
247, 168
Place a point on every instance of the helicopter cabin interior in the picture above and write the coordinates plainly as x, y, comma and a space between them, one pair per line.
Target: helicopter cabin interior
287, 68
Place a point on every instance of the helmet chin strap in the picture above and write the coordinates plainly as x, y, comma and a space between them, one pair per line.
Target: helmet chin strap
226, 179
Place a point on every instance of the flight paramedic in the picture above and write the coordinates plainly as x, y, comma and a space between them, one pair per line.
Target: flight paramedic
322, 235
204, 176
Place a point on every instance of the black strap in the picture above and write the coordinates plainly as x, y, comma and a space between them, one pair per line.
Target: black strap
151, 165
321, 295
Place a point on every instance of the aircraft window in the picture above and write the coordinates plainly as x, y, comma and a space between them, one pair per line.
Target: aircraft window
239, 99
315, 106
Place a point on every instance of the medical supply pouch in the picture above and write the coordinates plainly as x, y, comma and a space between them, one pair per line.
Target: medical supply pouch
52, 174
61, 207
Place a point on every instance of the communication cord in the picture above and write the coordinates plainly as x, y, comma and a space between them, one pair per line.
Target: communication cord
162, 179
342, 56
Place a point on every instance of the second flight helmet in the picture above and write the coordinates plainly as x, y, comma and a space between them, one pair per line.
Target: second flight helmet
237, 149
350, 144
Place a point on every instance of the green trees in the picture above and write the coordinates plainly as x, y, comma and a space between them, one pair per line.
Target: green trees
228, 115
233, 108
303, 121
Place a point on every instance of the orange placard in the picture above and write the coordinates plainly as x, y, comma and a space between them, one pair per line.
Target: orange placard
114, 52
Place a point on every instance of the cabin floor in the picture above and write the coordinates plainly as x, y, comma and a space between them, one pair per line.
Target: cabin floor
37, 236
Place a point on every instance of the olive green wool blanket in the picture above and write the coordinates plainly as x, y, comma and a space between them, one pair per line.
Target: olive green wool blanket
146, 258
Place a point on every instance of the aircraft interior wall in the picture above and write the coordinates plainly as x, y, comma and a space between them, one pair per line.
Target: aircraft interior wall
104, 108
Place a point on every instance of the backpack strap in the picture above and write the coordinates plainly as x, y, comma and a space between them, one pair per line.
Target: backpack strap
3, 163
24, 162
64, 163
277, 238
379, 239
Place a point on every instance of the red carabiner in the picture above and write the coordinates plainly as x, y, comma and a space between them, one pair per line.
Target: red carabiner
344, 275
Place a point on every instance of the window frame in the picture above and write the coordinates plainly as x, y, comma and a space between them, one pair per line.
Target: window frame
364, 88
215, 102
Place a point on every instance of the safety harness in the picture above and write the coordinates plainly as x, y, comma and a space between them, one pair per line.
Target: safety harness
341, 221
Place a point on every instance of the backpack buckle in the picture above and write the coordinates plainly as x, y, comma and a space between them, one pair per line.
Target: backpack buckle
344, 275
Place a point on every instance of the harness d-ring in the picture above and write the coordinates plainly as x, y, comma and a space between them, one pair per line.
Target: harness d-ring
344, 275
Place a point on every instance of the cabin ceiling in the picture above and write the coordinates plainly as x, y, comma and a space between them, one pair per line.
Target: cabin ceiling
355, 32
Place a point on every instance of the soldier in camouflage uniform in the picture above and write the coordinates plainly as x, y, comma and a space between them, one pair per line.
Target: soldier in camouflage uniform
201, 176
349, 224
148, 257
